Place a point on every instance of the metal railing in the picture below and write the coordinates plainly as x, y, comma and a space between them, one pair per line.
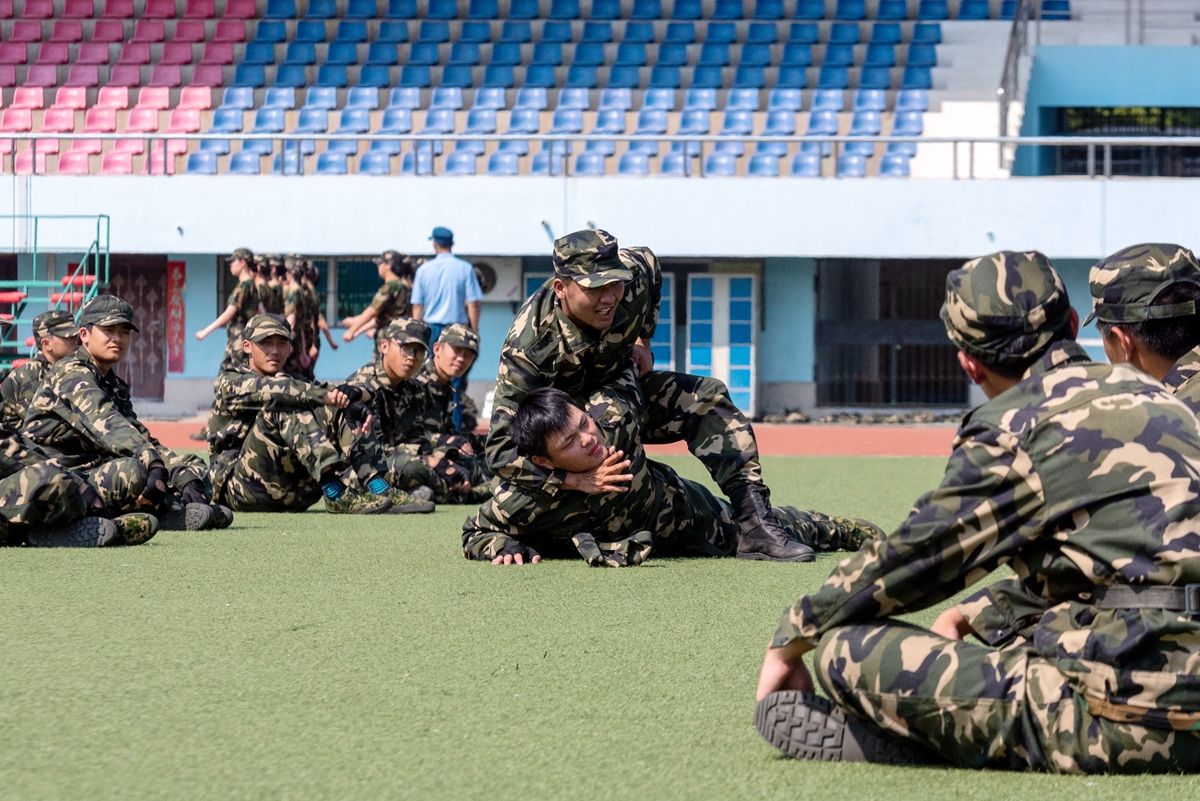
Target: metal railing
1009, 91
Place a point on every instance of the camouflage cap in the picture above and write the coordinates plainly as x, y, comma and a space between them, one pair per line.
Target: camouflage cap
106, 310
406, 329
56, 322
262, 326
392, 257
1125, 285
589, 258
1004, 307
242, 253
460, 336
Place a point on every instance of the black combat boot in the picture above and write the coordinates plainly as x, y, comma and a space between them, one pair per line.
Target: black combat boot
761, 536
805, 726
90, 532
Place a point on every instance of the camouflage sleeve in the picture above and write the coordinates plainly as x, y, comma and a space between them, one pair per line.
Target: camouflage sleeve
1003, 611
381, 298
88, 409
988, 507
517, 376
246, 392
12, 411
291, 304
654, 287
13, 452
492, 531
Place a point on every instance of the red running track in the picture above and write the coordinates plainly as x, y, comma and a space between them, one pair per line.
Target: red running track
773, 440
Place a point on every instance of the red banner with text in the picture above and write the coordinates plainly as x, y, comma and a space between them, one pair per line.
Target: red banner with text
176, 315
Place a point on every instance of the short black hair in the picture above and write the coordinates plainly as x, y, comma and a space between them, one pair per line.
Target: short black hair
541, 414
1172, 337
1016, 370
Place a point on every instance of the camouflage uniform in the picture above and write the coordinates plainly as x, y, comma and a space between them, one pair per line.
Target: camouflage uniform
245, 297
661, 513
1124, 287
34, 491
545, 348
19, 386
1083, 476
272, 438
443, 398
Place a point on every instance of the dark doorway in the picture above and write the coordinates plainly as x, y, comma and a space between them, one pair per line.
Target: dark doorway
11, 346
142, 281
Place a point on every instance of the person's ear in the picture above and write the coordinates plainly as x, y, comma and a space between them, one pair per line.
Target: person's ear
384, 346
246, 346
1074, 323
542, 461
1124, 343
973, 368
560, 288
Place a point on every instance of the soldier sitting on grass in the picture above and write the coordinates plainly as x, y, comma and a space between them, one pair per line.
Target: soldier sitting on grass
57, 337
279, 443
82, 416
640, 507
1085, 479
453, 355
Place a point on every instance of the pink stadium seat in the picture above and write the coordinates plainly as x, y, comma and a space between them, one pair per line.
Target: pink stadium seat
200, 9
38, 9
13, 53
23, 161
70, 97
156, 157
125, 75
6, 9
78, 9
100, 119
26, 31
117, 162
142, 120
93, 53
188, 31
148, 30
118, 9
58, 119
230, 31
67, 30
240, 9
166, 75
157, 98
53, 53
83, 75
217, 53
207, 75
114, 97
159, 9
194, 98
16, 120
176, 53
73, 162
108, 31
184, 120
42, 75
28, 98
8, 75
135, 53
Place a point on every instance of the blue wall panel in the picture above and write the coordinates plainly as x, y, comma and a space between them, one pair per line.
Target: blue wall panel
785, 350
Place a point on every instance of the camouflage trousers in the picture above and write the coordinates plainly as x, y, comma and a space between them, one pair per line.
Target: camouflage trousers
120, 482
279, 466
408, 471
40, 495
985, 708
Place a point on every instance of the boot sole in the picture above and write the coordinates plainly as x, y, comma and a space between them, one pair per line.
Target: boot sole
90, 532
222, 516
762, 557
805, 726
193, 517
419, 508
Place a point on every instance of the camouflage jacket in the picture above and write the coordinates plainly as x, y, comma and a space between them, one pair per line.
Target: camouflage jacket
85, 418
17, 391
545, 349
241, 394
407, 417
394, 299
1082, 474
441, 399
17, 453
1183, 379
271, 298
245, 297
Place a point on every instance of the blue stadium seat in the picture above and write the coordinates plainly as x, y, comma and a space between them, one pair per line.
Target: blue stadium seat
803, 33
892, 10
828, 100
573, 97
844, 33
312, 120
309, 30
441, 9
483, 9
375, 76
547, 53
331, 162
907, 123
404, 97
556, 33
342, 53
401, 9
865, 123
540, 75
245, 162
417, 162
797, 55
720, 164
933, 10
927, 33
515, 33
921, 56
590, 163
499, 76
698, 99
280, 97
1056, 9
479, 121
917, 78
792, 78
894, 165
412, 76
258, 53
852, 165
438, 121
659, 99
880, 55
762, 33
564, 9
270, 32
566, 121
713, 54
433, 32
674, 163
779, 123
664, 78
1008, 9
735, 123
280, 9
606, 9
705, 77
239, 97
623, 78
360, 9
768, 9
534, 97
321, 9
546, 162
750, 78
671, 55
851, 10
489, 98
616, 100
596, 33
375, 162
870, 100
321, 97
464, 53
302, 53
973, 9
647, 9
686, 9
838, 55
764, 165
461, 162
741, 100
680, 33
392, 32
395, 121
634, 163
423, 54
806, 165
650, 121
721, 32
875, 78
630, 54
728, 9
781, 99
358, 97
588, 55
885, 33
696, 122
450, 97
503, 163
457, 75
755, 56
640, 32
810, 9
475, 33
506, 54
252, 75
202, 163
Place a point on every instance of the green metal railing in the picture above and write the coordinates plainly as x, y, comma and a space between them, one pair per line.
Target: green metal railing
82, 282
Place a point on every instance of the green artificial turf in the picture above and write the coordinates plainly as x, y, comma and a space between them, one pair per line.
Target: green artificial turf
313, 657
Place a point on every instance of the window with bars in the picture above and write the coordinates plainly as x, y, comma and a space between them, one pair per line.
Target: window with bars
1166, 161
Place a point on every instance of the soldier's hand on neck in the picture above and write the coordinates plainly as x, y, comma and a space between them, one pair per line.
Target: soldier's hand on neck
609, 476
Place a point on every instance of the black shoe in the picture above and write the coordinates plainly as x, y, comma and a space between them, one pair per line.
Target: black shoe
90, 532
186, 517
222, 516
761, 536
805, 726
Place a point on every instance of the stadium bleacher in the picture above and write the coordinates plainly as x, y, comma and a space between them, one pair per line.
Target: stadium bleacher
606, 68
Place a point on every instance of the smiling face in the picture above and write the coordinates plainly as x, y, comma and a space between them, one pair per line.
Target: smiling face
401, 361
107, 344
268, 356
451, 361
577, 448
595, 307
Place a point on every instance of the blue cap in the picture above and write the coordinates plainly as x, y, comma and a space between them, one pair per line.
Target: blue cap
443, 236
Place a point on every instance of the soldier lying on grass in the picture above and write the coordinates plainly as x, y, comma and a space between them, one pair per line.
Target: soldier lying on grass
636, 508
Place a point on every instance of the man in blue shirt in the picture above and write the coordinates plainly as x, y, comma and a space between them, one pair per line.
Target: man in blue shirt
446, 292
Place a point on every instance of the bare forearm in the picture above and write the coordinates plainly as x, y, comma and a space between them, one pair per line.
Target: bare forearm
418, 311
473, 315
